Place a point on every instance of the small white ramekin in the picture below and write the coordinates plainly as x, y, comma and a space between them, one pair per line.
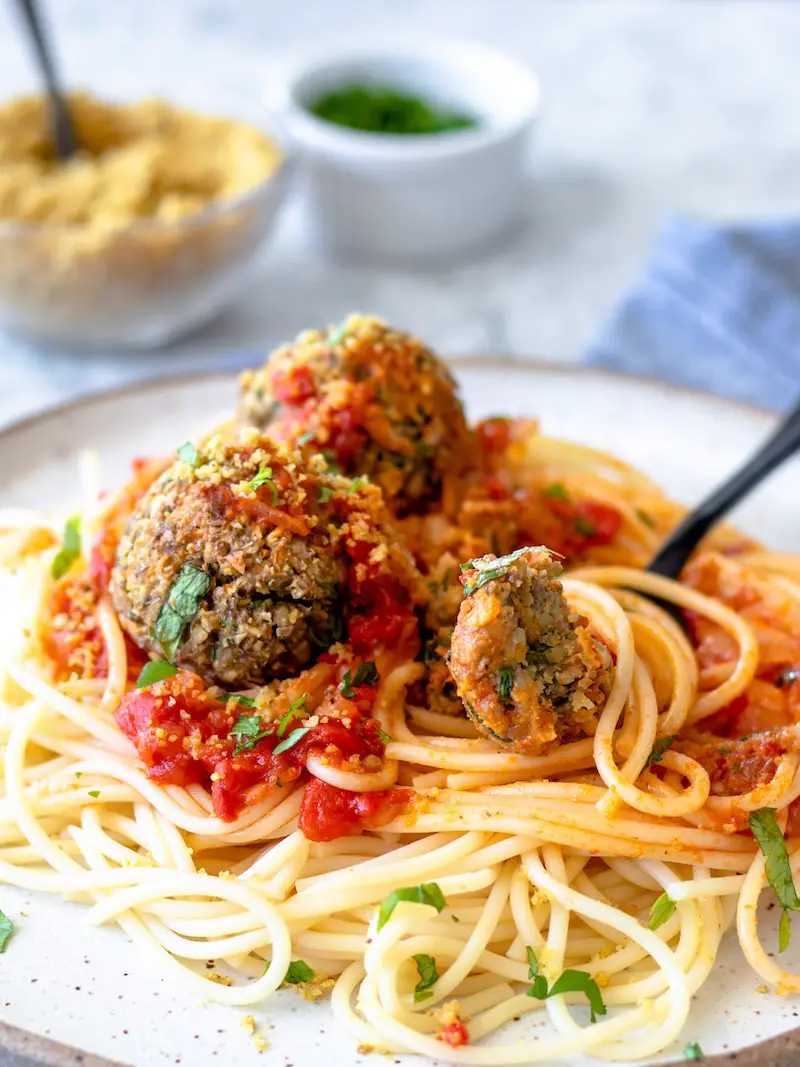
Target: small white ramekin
415, 199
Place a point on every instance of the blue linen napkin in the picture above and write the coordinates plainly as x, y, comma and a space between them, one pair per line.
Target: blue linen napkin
718, 308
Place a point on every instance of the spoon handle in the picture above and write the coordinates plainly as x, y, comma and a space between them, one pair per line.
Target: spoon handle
683, 540
60, 119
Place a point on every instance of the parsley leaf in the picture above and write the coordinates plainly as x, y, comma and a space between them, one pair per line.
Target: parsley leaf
584, 527
581, 982
70, 548
247, 729
776, 866
386, 738
155, 671
359, 482
570, 981
556, 491
187, 453
648, 520
660, 746
427, 893
338, 335
291, 740
297, 707
298, 972
6, 930
428, 976
332, 460
325, 493
304, 438
771, 842
784, 931
182, 604
505, 683
661, 910
240, 698
489, 569
94, 793
365, 674
692, 1051
264, 477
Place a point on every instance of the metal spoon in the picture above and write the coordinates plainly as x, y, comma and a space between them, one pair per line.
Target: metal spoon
684, 539
60, 119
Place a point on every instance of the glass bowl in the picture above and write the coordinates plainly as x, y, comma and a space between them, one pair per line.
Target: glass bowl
140, 285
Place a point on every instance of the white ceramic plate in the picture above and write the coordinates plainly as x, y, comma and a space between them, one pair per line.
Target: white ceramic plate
89, 988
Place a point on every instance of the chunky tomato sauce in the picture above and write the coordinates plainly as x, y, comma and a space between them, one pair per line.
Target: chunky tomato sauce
772, 699
74, 641
454, 1033
183, 736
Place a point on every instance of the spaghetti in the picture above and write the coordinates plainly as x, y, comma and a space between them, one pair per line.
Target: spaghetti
507, 872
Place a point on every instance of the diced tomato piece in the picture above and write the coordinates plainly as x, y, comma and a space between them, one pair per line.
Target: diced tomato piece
328, 812
293, 386
494, 435
454, 1033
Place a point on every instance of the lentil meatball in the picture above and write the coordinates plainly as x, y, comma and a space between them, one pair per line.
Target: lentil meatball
525, 666
232, 566
375, 400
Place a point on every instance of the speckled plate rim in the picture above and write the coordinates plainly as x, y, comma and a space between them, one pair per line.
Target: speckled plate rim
22, 1048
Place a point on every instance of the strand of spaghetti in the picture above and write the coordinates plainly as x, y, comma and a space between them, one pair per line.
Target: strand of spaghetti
729, 620
117, 655
676, 1004
190, 885
571, 757
747, 927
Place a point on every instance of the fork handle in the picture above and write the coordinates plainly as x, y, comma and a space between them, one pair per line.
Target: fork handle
683, 540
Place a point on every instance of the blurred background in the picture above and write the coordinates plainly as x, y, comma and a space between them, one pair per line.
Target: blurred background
648, 107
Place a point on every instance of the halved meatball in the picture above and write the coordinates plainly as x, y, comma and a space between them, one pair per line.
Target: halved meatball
374, 400
232, 565
525, 666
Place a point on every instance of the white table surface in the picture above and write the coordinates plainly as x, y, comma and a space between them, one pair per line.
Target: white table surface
649, 106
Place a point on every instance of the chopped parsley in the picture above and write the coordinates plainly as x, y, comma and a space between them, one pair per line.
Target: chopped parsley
304, 438
776, 866
359, 482
338, 334
240, 698
660, 746
182, 604
70, 548
489, 569
428, 976
298, 972
648, 520
556, 491
155, 671
332, 459
247, 729
505, 683
94, 793
297, 707
187, 453
264, 477
569, 982
385, 738
291, 740
692, 1051
584, 527
366, 674
6, 930
427, 893
661, 910
325, 493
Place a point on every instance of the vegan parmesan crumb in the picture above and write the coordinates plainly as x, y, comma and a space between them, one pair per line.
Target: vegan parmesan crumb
315, 989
